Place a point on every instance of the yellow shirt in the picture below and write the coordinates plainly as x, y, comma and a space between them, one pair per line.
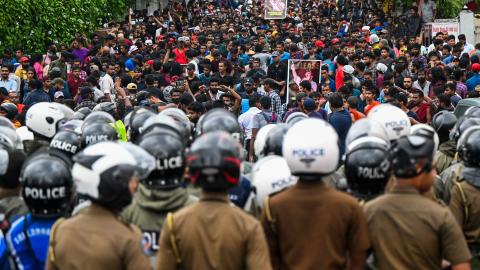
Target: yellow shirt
20, 72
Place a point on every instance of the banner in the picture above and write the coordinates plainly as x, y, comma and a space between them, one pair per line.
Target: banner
303, 70
275, 9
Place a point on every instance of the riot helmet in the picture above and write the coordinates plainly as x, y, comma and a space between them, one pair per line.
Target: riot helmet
214, 160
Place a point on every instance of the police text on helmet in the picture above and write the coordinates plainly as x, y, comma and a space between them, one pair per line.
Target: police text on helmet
95, 138
45, 193
308, 156
169, 163
64, 146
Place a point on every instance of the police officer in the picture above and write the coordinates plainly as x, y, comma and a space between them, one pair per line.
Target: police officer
96, 132
46, 188
43, 119
367, 167
454, 173
466, 193
11, 160
221, 119
81, 113
270, 175
112, 109
408, 230
310, 216
362, 128
443, 122
393, 119
161, 192
67, 142
107, 174
135, 120
213, 234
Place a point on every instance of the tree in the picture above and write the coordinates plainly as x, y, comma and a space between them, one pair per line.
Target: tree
33, 24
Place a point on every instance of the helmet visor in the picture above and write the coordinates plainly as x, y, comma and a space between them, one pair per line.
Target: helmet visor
145, 162
4, 158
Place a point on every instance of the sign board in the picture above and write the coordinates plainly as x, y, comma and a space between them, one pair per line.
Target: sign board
304, 70
275, 9
452, 28
431, 29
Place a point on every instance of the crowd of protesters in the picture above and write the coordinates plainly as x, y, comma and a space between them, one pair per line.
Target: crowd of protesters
167, 81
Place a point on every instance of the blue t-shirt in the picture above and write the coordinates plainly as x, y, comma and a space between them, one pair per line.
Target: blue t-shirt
341, 122
4, 264
473, 81
33, 255
130, 64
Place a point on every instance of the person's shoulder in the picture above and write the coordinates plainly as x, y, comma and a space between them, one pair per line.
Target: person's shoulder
377, 203
16, 227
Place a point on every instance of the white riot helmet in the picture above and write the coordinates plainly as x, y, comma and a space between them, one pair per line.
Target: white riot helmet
295, 117
65, 109
393, 119
44, 118
310, 148
103, 171
261, 139
365, 128
271, 175
426, 131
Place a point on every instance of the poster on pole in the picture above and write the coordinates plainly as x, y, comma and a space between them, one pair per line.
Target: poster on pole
275, 9
303, 70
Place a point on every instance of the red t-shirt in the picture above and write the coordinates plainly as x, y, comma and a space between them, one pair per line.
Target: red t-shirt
369, 107
339, 75
180, 56
73, 85
422, 113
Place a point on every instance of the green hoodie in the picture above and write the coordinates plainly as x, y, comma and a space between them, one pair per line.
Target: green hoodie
445, 155
148, 211
150, 207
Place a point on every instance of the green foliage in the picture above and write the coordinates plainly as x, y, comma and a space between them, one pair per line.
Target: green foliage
33, 24
447, 9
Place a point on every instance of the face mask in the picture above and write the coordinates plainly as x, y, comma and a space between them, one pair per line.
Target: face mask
176, 100
422, 79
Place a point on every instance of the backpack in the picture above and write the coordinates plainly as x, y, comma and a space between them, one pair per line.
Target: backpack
270, 120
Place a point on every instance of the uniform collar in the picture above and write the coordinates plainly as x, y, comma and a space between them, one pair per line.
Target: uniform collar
310, 184
216, 197
404, 190
95, 209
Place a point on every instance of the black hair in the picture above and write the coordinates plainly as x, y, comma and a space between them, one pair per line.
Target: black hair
196, 107
266, 102
442, 98
336, 100
149, 79
353, 102
306, 85
253, 100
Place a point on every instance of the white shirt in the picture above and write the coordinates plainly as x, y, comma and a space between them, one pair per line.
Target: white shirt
107, 86
246, 119
468, 47
425, 89
215, 96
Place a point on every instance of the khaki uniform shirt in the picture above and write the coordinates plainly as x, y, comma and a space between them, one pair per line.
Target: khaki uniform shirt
314, 227
410, 231
148, 211
470, 223
96, 239
447, 180
215, 235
